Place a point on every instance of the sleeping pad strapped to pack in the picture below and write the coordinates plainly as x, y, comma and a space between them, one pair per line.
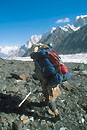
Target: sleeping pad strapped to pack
47, 68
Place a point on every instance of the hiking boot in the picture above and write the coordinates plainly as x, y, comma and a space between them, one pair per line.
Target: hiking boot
55, 113
51, 112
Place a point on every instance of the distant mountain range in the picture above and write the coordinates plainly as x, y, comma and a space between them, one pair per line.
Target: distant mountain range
23, 49
7, 51
2, 55
67, 39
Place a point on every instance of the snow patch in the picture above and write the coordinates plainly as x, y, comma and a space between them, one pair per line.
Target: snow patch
53, 29
75, 28
75, 58
20, 58
81, 16
68, 26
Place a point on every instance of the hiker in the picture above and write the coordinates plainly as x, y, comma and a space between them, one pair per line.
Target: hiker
49, 72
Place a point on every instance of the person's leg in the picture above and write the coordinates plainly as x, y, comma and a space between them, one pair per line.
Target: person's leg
45, 91
53, 93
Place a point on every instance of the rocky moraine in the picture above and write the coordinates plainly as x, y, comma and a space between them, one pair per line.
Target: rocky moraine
17, 79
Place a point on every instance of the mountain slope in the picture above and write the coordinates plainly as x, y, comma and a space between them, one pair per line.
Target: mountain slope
56, 37
74, 43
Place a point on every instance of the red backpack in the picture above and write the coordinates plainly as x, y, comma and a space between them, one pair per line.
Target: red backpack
57, 63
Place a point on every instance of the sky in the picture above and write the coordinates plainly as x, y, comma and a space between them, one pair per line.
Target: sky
20, 19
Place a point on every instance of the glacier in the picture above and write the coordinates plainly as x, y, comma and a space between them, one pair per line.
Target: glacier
74, 58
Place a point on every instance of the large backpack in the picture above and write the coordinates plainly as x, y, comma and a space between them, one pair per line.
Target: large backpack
45, 68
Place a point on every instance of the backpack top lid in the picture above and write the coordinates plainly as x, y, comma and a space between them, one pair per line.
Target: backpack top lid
51, 45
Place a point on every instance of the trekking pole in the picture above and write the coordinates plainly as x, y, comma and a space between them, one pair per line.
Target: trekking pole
24, 99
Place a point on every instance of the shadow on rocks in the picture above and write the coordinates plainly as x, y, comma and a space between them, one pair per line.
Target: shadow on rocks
9, 104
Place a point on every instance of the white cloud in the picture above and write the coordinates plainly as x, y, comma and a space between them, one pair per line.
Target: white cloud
63, 20
66, 20
59, 21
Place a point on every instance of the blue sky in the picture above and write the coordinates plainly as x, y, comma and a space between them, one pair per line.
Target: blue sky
19, 19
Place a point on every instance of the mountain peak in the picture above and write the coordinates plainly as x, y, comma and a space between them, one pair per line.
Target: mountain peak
81, 16
52, 29
69, 27
34, 39
80, 21
48, 32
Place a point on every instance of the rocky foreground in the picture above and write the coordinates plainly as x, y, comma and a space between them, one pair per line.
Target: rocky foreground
33, 114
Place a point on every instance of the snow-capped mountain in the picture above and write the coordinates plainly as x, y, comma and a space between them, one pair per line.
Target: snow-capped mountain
67, 34
48, 32
6, 51
22, 49
80, 21
33, 40
69, 28
61, 32
75, 42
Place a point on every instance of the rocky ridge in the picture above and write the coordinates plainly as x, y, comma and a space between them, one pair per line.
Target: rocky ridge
74, 43
33, 115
